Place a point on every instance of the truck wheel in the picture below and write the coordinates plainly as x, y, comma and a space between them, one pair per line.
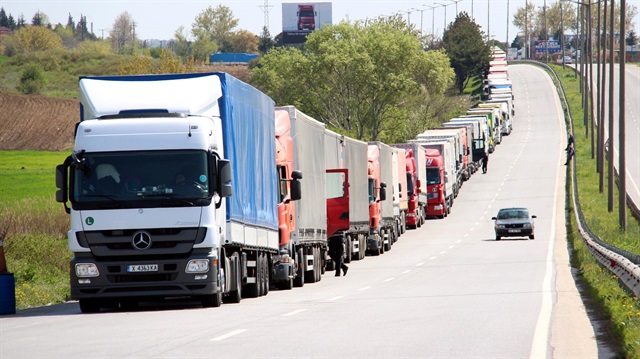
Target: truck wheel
322, 261
90, 305
235, 296
267, 267
319, 266
348, 249
260, 274
212, 300
299, 280
363, 246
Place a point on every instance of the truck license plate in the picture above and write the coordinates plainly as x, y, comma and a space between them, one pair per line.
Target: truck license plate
514, 231
142, 268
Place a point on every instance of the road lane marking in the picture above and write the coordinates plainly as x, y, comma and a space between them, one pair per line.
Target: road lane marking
228, 335
451, 246
293, 313
443, 252
406, 271
364, 288
335, 298
432, 258
389, 279
419, 264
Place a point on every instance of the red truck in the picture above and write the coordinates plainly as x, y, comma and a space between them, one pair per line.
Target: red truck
437, 198
346, 193
306, 17
379, 238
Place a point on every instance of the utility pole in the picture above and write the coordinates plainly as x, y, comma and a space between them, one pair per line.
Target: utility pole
602, 94
622, 167
265, 9
507, 43
610, 178
526, 29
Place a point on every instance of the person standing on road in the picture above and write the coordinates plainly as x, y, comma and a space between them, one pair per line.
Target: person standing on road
485, 161
336, 252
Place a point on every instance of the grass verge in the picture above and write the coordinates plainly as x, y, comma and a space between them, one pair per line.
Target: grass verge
36, 245
611, 299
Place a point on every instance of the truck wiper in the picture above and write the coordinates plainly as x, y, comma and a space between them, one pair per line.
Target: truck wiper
119, 203
172, 196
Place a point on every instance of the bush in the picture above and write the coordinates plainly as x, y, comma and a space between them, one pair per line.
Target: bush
32, 80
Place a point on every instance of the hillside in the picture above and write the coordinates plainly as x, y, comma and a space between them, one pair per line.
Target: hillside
35, 122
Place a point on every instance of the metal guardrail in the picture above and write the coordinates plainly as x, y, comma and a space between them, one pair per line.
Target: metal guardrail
620, 262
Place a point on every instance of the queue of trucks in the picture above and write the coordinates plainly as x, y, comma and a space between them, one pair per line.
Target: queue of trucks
197, 185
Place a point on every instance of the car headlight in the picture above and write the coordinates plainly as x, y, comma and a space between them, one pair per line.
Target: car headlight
86, 270
197, 266
527, 226
500, 226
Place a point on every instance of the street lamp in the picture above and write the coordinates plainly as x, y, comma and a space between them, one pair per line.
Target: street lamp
433, 17
421, 11
445, 14
408, 15
456, 2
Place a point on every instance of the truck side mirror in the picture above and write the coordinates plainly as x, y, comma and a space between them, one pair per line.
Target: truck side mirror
296, 175
62, 194
296, 189
383, 191
223, 185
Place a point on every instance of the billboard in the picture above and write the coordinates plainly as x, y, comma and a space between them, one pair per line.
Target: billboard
553, 46
300, 19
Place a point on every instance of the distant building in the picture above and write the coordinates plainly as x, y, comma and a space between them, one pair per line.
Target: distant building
5, 31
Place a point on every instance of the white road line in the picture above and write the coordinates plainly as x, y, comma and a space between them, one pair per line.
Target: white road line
541, 333
443, 252
335, 298
466, 235
364, 288
420, 264
451, 246
228, 335
293, 313
459, 240
407, 271
389, 279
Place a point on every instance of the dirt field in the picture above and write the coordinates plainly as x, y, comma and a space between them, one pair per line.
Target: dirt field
34, 122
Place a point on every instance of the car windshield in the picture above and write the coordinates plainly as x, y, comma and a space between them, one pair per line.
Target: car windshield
513, 214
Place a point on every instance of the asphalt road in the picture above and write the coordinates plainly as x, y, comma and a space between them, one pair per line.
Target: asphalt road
447, 289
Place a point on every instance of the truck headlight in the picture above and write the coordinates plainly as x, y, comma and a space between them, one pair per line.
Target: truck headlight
197, 266
500, 226
86, 270
527, 226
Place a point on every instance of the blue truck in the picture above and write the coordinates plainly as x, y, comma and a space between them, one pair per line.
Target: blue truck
173, 190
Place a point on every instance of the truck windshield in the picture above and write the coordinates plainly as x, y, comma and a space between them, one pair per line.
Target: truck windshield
372, 190
433, 176
128, 179
306, 13
409, 184
335, 185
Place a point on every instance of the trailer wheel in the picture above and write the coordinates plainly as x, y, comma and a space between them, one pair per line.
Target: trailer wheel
318, 263
90, 305
266, 267
299, 280
310, 276
322, 261
363, 245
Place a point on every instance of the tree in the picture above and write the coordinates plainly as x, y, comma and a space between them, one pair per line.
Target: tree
242, 41
559, 14
266, 42
32, 39
71, 24
469, 54
181, 46
121, 33
4, 20
632, 39
32, 80
40, 19
214, 24
526, 19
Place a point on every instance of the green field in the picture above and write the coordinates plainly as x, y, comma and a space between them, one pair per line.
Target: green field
28, 174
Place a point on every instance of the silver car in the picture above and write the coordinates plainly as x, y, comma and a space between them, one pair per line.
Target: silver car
514, 222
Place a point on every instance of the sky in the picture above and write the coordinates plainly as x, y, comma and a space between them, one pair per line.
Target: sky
159, 19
